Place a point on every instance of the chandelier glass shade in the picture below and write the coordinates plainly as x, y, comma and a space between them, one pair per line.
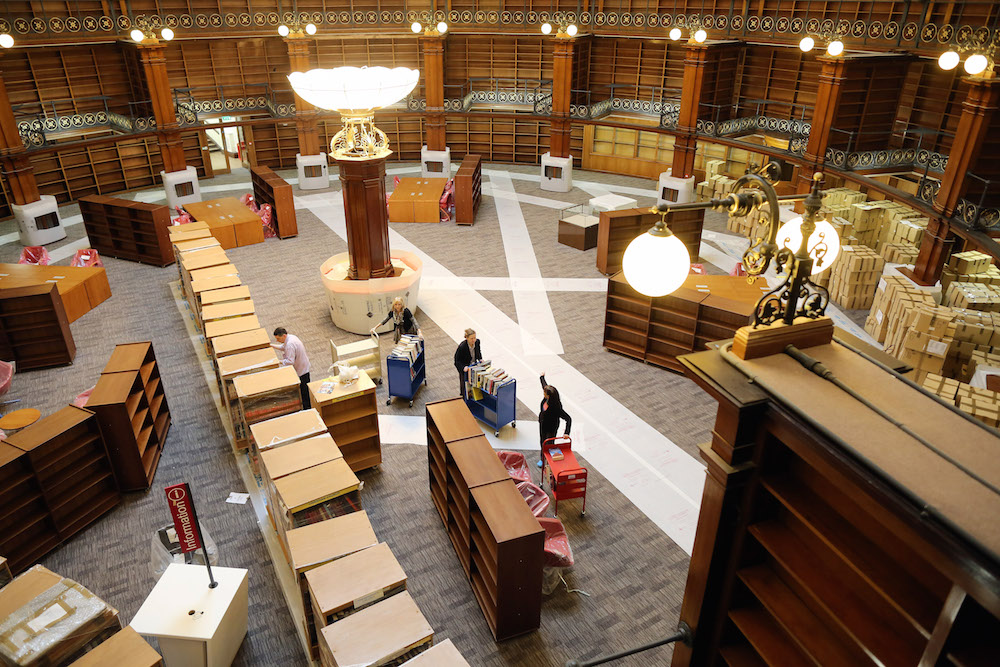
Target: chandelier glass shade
823, 246
356, 93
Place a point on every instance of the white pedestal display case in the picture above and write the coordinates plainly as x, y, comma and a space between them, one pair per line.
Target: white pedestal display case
612, 203
557, 173
196, 626
181, 186
435, 164
314, 171
358, 305
38, 223
673, 190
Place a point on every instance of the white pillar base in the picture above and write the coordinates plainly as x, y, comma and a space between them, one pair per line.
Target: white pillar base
41, 212
557, 173
673, 190
319, 178
181, 186
435, 164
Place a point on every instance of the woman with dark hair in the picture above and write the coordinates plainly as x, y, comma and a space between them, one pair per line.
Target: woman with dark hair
549, 414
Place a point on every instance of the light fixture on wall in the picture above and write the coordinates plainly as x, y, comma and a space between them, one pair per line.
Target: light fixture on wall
978, 50
431, 30
698, 34
834, 44
835, 48
656, 263
297, 28
568, 30
806, 44
675, 34
6, 41
139, 35
356, 93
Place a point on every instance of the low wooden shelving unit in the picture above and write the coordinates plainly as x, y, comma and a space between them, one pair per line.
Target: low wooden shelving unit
616, 230
131, 407
34, 329
351, 416
126, 229
468, 189
269, 188
55, 480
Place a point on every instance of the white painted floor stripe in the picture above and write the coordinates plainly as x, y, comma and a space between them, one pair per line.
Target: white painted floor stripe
489, 191
502, 283
539, 333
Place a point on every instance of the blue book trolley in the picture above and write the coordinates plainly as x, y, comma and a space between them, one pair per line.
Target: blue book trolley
495, 410
404, 378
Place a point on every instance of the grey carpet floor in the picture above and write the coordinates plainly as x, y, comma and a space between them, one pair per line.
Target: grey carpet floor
634, 573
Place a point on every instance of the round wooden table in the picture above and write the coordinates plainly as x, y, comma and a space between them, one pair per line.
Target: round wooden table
19, 419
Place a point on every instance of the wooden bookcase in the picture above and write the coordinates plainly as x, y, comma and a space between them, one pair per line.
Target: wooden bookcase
266, 395
508, 552
227, 370
447, 421
131, 407
34, 329
658, 330
468, 189
828, 535
351, 416
57, 480
125, 229
616, 230
269, 188
81, 289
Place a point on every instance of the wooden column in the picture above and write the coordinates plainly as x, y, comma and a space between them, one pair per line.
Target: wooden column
562, 84
433, 48
14, 163
305, 113
831, 80
685, 141
363, 184
977, 113
154, 63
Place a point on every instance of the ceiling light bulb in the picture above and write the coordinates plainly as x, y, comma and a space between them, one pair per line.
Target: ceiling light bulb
824, 244
571, 30
137, 35
948, 60
167, 34
700, 36
807, 44
283, 30
546, 28
656, 265
311, 28
416, 27
442, 27
6, 41
835, 48
675, 34
976, 64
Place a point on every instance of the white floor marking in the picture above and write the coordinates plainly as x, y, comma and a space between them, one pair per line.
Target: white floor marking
488, 191
69, 249
407, 429
534, 313
502, 283
663, 481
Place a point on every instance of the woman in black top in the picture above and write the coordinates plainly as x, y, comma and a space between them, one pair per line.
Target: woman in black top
549, 414
468, 352
403, 321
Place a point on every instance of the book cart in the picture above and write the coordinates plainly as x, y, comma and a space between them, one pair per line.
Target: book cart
406, 373
494, 408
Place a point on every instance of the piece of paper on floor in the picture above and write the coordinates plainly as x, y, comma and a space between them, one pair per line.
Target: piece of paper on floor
238, 498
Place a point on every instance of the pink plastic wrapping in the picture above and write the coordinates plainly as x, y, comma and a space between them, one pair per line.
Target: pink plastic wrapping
267, 219
698, 269
738, 270
34, 254
395, 181
557, 549
81, 400
516, 465
182, 219
537, 499
247, 200
86, 257
6, 376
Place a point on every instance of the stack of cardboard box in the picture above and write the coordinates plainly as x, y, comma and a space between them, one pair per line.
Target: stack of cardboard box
980, 357
894, 296
708, 188
923, 339
899, 253
982, 404
905, 230
855, 276
973, 296
946, 388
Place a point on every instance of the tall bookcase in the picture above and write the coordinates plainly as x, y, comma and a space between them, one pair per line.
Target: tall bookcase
351, 416
269, 188
126, 229
57, 481
131, 407
468, 189
616, 230
34, 329
447, 421
658, 330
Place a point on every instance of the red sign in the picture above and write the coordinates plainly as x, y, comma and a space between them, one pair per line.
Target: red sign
185, 519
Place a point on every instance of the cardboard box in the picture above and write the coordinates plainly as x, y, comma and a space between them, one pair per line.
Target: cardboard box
970, 262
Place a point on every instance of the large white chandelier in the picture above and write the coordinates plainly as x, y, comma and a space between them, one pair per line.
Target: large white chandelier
356, 93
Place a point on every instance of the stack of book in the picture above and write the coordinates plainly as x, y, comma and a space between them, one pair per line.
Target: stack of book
410, 347
484, 377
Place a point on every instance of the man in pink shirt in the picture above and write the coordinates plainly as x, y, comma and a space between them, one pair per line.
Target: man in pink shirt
295, 356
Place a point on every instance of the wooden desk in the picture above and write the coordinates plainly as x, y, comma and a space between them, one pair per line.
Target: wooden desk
344, 586
417, 200
80, 288
374, 636
232, 223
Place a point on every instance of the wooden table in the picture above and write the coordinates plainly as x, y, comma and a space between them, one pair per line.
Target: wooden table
20, 419
417, 200
80, 288
232, 223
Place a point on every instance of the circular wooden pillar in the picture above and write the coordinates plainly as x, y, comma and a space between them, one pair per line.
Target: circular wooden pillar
363, 185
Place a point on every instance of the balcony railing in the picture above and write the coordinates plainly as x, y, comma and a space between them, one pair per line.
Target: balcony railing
42, 123
194, 103
907, 153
